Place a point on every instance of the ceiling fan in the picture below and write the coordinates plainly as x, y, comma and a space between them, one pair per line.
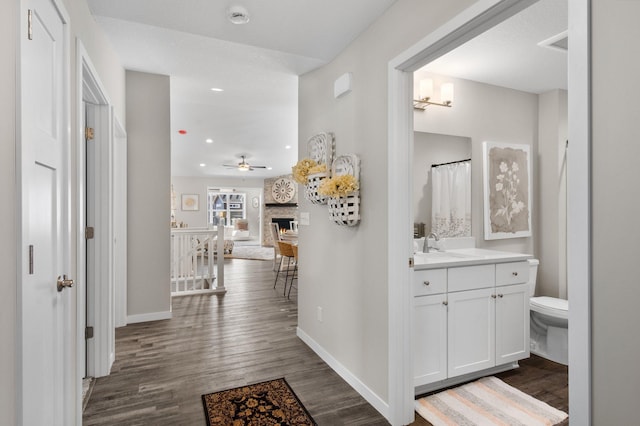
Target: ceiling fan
243, 166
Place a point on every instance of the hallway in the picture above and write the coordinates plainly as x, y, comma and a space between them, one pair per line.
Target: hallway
216, 342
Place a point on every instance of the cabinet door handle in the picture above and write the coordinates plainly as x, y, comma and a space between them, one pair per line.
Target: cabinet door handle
445, 303
501, 295
515, 274
493, 296
427, 283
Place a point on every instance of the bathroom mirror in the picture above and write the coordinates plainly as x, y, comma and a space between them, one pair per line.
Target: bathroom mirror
450, 152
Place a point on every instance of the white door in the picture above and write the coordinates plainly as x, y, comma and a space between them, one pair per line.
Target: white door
512, 323
429, 339
471, 331
47, 386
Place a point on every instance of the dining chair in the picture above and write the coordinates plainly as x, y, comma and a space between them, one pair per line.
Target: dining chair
294, 248
286, 250
275, 236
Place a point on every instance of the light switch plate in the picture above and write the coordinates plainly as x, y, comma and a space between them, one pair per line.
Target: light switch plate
304, 219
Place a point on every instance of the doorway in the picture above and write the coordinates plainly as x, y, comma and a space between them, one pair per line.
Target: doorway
101, 232
473, 21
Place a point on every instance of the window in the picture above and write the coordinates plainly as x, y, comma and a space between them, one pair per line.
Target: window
224, 207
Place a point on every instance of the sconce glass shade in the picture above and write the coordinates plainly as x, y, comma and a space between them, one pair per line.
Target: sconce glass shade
426, 89
446, 93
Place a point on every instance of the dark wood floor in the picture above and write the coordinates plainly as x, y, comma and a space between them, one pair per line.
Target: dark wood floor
248, 335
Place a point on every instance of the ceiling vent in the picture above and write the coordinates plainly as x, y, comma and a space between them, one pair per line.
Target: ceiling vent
557, 42
238, 15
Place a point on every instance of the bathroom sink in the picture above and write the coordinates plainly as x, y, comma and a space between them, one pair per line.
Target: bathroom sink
439, 257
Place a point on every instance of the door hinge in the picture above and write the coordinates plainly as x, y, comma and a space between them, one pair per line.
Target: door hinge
411, 262
88, 233
88, 332
30, 24
89, 133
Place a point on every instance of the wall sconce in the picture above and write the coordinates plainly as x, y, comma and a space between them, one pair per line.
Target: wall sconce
425, 93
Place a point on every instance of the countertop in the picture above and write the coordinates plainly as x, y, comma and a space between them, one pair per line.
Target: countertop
464, 257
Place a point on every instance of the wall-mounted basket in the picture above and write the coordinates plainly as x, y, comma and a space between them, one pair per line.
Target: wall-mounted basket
321, 148
345, 210
311, 188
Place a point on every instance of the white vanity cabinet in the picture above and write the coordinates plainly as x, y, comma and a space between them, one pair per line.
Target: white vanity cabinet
430, 326
474, 318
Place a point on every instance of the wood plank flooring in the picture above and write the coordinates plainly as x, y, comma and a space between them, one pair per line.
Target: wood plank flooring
247, 335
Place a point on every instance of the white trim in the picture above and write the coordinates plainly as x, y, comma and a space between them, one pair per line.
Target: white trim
119, 216
399, 153
579, 211
371, 397
481, 16
151, 316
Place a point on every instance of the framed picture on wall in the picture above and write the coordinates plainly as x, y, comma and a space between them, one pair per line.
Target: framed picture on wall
507, 190
190, 202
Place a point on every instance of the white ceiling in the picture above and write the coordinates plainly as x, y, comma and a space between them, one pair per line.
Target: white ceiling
508, 55
258, 64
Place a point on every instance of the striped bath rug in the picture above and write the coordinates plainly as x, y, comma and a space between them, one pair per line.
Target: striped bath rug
488, 401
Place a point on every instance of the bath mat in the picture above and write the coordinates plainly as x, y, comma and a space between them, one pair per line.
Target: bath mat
488, 401
261, 404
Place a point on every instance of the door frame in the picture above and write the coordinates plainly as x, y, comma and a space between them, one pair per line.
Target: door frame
476, 19
101, 353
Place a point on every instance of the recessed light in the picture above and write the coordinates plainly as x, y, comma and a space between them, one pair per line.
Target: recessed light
216, 89
202, 164
209, 140
287, 147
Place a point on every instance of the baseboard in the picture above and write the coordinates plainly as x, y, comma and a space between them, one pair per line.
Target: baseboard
372, 398
151, 316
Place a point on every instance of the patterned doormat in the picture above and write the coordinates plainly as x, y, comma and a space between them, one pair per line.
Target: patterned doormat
488, 401
261, 404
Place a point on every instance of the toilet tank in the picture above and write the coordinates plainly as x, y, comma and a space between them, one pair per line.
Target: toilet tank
533, 273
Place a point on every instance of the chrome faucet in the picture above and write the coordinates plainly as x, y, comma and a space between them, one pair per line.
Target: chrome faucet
425, 245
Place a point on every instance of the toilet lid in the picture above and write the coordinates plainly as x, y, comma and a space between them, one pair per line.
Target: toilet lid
547, 304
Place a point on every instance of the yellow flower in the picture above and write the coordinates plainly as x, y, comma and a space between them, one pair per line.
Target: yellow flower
320, 168
338, 186
301, 170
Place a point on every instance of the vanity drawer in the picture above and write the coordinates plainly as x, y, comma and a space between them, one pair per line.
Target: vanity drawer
471, 277
512, 273
429, 281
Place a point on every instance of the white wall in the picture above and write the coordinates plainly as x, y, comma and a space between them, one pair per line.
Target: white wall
483, 112
345, 269
199, 185
8, 312
428, 149
551, 235
148, 196
615, 206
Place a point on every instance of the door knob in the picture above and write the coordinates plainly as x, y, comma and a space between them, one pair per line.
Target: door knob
64, 282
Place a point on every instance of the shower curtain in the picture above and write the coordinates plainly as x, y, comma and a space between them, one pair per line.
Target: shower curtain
451, 199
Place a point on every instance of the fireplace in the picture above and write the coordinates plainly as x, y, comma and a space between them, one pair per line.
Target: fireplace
283, 222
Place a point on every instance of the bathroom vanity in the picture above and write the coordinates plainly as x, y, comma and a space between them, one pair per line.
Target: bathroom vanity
471, 315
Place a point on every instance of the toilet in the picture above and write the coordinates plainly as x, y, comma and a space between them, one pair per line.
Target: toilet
549, 337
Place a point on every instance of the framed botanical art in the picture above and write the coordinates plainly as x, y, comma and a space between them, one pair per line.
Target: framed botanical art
190, 202
507, 190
